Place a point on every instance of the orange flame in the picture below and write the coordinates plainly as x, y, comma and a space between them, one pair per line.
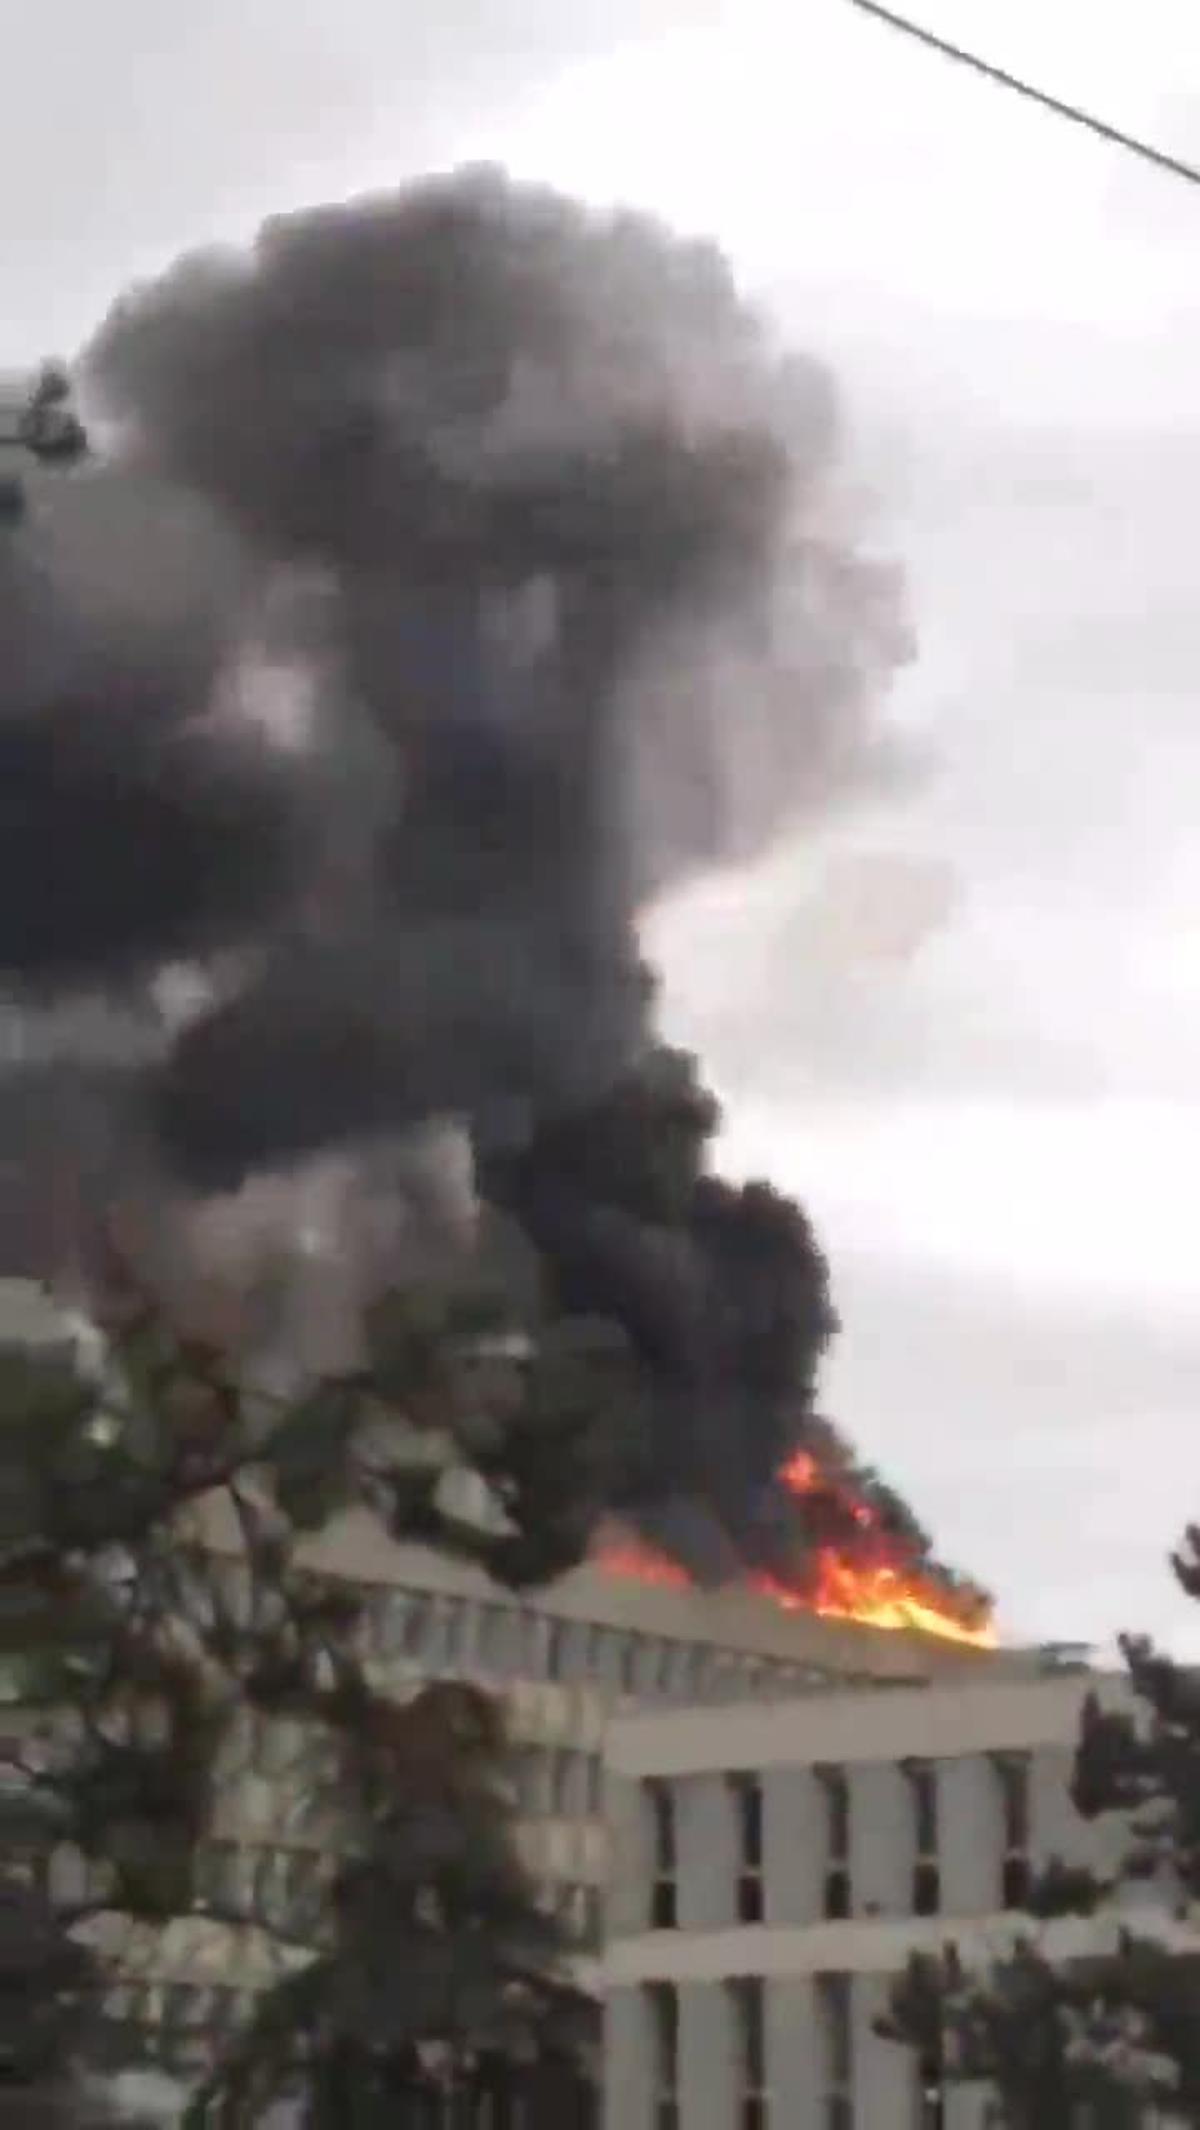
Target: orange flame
874, 1586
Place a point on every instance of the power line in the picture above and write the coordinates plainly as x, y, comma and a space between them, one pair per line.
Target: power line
1099, 126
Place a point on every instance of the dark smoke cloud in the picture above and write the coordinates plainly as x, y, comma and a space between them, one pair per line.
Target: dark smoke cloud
379, 1030
530, 447
122, 848
544, 517
134, 828
722, 1289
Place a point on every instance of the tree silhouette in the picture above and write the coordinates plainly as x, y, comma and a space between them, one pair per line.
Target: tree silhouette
160, 1612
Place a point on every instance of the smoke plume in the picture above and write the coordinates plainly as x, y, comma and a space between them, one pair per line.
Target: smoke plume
543, 519
135, 825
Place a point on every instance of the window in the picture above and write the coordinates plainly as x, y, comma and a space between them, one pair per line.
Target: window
523, 1643
1012, 1774
533, 1773
661, 1803
649, 1669
750, 2047
746, 1792
604, 1655
492, 1637
694, 1679
837, 2051
556, 1649
672, 1663
455, 1624
387, 1623
417, 1621
662, 2006
835, 1791
927, 1879
561, 1785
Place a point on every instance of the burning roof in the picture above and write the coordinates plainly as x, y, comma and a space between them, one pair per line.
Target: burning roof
531, 514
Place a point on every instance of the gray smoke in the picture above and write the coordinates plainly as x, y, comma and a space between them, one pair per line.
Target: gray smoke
582, 626
136, 824
463, 573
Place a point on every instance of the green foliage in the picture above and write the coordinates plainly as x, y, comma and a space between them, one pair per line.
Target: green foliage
309, 1452
432, 1894
154, 1599
46, 1985
1098, 2042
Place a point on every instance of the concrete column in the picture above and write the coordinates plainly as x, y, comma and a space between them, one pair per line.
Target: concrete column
794, 1827
707, 2065
885, 2078
881, 1841
970, 1836
794, 2054
706, 1852
628, 2063
631, 1874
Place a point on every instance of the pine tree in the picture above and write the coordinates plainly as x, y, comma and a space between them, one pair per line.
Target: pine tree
159, 1610
1109, 2041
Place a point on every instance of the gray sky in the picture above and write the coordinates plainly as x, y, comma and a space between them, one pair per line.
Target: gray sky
991, 1107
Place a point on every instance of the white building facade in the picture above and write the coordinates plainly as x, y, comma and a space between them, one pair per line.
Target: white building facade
565, 1664
775, 1867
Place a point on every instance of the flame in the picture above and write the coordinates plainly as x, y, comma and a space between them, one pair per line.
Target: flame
642, 1564
871, 1583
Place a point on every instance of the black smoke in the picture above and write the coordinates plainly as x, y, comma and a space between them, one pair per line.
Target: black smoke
722, 1289
136, 825
531, 450
541, 510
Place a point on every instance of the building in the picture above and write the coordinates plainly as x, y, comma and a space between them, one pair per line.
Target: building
567, 1666
770, 1879
569, 1659
749, 1815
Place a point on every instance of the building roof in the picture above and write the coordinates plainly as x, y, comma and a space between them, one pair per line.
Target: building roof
733, 1619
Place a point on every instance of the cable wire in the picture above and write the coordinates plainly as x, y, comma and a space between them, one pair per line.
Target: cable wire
1172, 164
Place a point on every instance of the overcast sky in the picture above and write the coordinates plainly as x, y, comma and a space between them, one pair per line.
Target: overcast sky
992, 1108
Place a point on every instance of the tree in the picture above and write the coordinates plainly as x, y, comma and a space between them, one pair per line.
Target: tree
47, 429
1108, 2038
158, 1606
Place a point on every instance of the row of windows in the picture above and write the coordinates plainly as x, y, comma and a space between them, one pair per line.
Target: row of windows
284, 1888
441, 1632
746, 2005
287, 1888
1010, 1774
545, 1781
